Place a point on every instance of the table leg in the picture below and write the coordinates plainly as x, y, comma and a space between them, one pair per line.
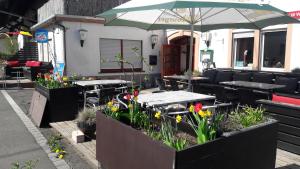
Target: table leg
84, 100
18, 78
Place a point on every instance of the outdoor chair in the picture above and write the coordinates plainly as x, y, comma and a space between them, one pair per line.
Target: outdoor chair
174, 85
226, 94
161, 84
104, 96
3, 77
246, 97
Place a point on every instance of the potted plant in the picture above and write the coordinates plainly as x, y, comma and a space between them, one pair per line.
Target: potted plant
86, 122
62, 98
202, 139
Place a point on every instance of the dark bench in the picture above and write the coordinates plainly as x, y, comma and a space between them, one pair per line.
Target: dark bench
288, 116
290, 80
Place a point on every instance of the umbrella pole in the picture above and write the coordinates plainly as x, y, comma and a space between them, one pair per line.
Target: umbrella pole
191, 52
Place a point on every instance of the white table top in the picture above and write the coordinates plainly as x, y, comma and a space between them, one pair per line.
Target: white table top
172, 97
100, 82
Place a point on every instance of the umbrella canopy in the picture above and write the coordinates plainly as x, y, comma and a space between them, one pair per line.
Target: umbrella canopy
198, 15
207, 15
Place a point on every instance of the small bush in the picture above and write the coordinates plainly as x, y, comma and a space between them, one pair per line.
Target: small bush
243, 118
88, 116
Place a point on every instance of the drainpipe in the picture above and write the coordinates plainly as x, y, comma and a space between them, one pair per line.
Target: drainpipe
65, 46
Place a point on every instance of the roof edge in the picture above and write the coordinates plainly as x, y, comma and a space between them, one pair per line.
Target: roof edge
69, 18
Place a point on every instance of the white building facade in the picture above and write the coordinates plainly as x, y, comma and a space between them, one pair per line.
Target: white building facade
97, 55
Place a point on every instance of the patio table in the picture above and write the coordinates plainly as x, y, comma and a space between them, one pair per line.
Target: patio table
172, 97
185, 78
89, 83
253, 85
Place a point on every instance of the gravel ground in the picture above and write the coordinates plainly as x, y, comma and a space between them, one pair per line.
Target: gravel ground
73, 158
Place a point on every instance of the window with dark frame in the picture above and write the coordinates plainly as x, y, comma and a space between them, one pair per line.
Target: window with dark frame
110, 49
274, 44
243, 49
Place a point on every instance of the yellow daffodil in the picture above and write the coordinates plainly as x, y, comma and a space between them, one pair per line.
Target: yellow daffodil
192, 108
65, 78
61, 156
208, 113
202, 113
57, 151
110, 104
114, 109
157, 115
178, 119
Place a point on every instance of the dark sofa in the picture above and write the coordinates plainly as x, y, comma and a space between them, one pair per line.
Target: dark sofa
288, 116
291, 80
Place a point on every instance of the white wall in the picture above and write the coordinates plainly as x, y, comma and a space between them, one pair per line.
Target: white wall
86, 60
219, 44
54, 48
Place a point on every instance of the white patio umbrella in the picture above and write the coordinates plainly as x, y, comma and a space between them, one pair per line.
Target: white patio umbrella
195, 15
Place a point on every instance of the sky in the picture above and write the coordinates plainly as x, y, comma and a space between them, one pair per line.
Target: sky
286, 5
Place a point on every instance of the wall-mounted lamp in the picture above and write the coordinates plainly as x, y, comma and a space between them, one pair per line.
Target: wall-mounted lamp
206, 37
83, 35
154, 40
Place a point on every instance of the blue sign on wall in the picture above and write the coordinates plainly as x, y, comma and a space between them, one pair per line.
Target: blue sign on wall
41, 36
59, 68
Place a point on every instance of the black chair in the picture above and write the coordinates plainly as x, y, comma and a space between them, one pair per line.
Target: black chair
160, 83
226, 94
246, 97
174, 85
104, 96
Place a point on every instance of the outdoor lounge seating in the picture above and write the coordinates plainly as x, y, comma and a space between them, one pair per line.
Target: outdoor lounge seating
216, 76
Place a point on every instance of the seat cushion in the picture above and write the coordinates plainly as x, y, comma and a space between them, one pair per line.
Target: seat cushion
239, 76
283, 99
33, 64
211, 74
290, 84
263, 77
223, 76
13, 63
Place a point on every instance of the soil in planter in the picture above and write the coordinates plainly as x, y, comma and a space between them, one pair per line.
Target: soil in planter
191, 140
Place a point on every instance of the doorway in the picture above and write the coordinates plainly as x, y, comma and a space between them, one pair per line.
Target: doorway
175, 56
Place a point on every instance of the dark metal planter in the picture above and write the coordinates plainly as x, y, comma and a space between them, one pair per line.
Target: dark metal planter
251, 148
121, 146
61, 103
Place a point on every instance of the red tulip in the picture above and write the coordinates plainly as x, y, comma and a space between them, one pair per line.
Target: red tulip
135, 93
198, 107
128, 97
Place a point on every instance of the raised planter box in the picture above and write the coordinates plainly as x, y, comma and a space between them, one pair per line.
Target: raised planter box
288, 116
61, 104
121, 146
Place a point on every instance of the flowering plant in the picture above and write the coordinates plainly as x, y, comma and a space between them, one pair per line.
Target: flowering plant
52, 81
204, 123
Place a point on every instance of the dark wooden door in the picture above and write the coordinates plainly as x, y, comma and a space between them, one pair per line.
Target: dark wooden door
170, 60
